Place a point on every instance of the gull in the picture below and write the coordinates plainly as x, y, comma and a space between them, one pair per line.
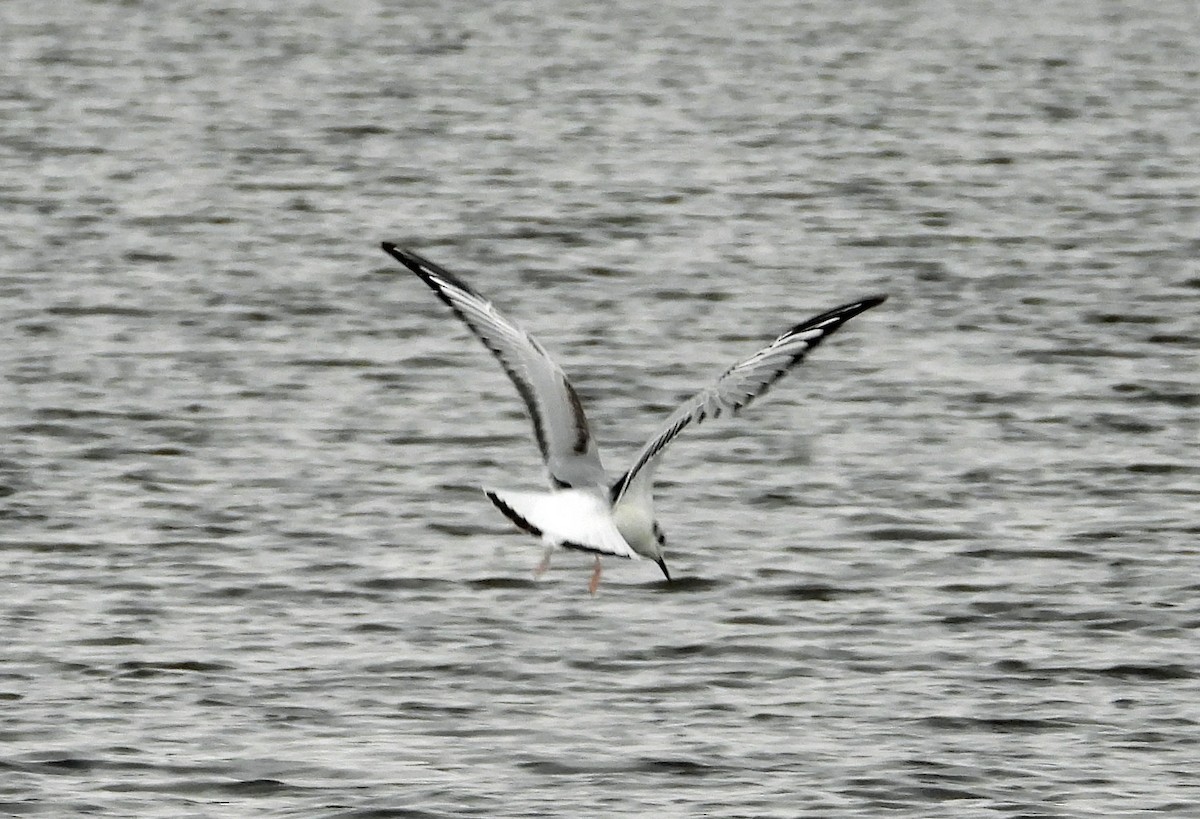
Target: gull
584, 510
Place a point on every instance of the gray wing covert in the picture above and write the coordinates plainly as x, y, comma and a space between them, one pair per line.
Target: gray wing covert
559, 423
736, 388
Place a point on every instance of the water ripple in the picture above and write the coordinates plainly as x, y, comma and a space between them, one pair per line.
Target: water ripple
945, 569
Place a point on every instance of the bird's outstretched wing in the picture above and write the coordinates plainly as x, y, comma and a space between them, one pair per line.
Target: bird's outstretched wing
736, 388
559, 423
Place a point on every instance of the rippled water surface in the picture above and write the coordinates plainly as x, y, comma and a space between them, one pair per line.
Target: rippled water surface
948, 568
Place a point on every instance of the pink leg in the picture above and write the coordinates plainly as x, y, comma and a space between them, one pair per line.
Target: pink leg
595, 581
541, 568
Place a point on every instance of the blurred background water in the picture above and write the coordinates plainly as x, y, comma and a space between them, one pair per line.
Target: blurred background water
948, 568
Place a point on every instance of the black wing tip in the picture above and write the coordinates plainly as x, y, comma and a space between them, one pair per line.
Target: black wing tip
835, 318
406, 257
855, 307
434, 275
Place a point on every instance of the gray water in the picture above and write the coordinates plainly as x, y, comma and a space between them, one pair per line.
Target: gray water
948, 568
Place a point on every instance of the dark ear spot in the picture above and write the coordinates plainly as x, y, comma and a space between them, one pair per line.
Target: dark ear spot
659, 536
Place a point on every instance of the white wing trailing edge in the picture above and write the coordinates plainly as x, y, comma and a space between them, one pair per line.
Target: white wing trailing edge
559, 423
736, 388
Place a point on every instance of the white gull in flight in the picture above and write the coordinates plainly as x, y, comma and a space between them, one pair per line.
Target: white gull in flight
584, 510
